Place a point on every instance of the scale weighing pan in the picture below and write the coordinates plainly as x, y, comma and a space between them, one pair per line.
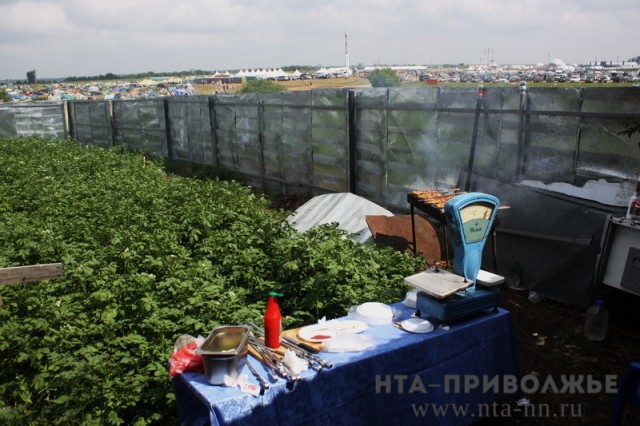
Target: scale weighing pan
438, 283
449, 297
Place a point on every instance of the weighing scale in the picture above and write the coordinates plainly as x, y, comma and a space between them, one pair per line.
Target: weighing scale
450, 296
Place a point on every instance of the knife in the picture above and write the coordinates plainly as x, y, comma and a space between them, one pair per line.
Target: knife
264, 385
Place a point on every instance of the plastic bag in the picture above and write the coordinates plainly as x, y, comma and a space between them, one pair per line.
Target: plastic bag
348, 342
184, 357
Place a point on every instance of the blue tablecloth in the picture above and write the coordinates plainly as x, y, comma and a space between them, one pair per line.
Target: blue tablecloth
404, 379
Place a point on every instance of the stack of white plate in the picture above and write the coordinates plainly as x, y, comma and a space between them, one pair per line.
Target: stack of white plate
374, 313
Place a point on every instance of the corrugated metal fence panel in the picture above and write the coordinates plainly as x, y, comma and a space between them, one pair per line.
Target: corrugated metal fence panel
507, 157
551, 142
454, 127
418, 138
603, 149
330, 140
371, 146
272, 116
46, 120
297, 154
488, 136
190, 124
412, 151
225, 114
92, 122
7, 120
140, 125
247, 129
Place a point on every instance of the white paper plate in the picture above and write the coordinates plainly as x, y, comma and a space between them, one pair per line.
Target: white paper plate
348, 326
317, 333
374, 313
417, 325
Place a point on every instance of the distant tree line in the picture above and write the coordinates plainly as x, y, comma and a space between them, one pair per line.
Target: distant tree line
151, 74
148, 74
302, 68
31, 75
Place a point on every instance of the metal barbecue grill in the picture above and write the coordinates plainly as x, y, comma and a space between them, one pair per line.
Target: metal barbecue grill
431, 202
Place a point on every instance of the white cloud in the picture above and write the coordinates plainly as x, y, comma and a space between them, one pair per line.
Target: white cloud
90, 37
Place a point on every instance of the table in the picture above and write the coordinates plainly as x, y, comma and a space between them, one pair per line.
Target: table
405, 378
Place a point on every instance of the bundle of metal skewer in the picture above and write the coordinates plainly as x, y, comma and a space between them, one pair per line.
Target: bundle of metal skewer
272, 359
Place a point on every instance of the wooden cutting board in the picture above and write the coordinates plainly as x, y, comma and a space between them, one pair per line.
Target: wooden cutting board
292, 334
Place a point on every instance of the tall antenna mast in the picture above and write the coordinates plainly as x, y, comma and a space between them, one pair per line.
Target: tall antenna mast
346, 50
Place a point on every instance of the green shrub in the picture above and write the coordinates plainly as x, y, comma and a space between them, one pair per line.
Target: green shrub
261, 86
147, 257
384, 77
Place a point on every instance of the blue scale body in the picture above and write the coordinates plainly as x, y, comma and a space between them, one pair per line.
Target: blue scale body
469, 220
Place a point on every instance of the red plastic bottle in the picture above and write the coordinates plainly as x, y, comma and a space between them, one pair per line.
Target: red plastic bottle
272, 322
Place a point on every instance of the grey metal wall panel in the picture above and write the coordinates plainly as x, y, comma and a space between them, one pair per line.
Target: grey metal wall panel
297, 155
38, 119
247, 128
489, 136
423, 150
92, 122
604, 150
272, 116
140, 125
449, 147
190, 124
371, 146
225, 127
551, 144
329, 140
7, 120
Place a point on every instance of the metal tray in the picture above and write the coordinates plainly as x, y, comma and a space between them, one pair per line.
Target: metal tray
224, 352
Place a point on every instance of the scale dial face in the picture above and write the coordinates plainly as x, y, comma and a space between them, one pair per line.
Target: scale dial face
475, 221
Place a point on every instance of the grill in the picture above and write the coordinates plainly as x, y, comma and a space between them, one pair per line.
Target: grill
431, 202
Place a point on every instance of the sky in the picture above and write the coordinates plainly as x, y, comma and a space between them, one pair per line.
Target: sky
62, 38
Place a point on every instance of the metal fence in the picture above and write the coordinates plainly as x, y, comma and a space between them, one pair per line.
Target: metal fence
382, 143
378, 143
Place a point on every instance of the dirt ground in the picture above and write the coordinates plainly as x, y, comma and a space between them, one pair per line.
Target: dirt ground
551, 343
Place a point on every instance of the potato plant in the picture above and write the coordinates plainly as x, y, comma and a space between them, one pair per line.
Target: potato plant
147, 257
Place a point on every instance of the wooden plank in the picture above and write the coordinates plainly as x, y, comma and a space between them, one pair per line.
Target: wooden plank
23, 274
395, 231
